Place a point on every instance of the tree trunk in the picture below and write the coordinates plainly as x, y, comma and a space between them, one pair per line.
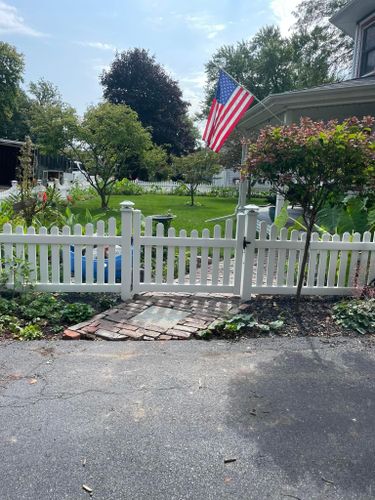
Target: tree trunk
301, 279
104, 201
192, 196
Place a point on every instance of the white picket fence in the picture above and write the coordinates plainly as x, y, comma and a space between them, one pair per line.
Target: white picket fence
169, 186
235, 259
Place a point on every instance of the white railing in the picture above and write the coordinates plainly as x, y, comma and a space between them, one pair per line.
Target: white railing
140, 257
169, 186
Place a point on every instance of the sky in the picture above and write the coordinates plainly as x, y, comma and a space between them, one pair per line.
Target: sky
70, 42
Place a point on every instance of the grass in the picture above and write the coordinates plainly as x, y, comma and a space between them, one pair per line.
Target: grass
187, 217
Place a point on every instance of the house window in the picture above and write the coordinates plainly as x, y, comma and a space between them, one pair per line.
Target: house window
368, 50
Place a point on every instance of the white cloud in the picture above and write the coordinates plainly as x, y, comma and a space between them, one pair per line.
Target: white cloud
283, 10
205, 24
192, 87
98, 45
12, 22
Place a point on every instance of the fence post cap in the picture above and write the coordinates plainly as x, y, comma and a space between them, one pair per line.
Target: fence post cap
126, 205
251, 208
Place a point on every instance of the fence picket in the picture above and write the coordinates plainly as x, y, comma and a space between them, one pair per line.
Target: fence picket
227, 252
89, 254
77, 230
322, 267
300, 256
353, 268
261, 258
136, 250
312, 262
111, 252
204, 258
363, 261
67, 268
271, 257
193, 260
31, 257
280, 275
43, 258
292, 254
170, 257
333, 261
181, 259
100, 262
344, 254
216, 257
20, 254
159, 254
8, 254
148, 252
371, 270
55, 258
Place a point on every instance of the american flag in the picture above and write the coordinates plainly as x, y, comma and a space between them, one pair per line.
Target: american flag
230, 103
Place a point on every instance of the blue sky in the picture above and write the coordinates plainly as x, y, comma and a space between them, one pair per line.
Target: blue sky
70, 41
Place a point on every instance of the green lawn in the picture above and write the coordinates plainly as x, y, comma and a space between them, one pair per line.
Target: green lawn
186, 217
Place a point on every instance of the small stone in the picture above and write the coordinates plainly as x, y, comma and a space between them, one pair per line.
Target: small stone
185, 328
108, 335
79, 326
164, 337
71, 335
179, 334
131, 333
90, 329
148, 338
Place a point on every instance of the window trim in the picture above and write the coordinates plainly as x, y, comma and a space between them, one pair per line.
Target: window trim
362, 26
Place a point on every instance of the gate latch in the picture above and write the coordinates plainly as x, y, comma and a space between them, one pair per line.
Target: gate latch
245, 243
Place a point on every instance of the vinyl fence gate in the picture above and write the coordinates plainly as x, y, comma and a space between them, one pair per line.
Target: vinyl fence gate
244, 258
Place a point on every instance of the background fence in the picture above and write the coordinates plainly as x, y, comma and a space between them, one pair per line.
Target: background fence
139, 257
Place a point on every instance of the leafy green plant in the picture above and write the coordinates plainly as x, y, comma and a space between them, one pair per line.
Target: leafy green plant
15, 274
240, 324
356, 314
29, 332
125, 186
9, 323
76, 312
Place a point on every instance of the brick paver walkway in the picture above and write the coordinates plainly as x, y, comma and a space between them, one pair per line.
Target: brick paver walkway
120, 323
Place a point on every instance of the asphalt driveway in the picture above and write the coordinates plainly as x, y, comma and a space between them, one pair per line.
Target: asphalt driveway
139, 420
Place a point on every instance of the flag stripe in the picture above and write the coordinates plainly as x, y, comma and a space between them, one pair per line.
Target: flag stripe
230, 103
229, 112
232, 119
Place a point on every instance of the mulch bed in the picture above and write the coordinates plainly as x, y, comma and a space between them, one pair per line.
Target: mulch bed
314, 318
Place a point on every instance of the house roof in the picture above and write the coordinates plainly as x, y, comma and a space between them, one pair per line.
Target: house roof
351, 14
355, 91
9, 142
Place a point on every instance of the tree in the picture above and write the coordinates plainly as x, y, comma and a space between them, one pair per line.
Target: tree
11, 70
107, 137
314, 15
52, 122
196, 168
314, 163
269, 63
137, 80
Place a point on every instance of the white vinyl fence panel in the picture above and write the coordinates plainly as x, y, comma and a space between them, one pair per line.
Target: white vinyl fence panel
242, 258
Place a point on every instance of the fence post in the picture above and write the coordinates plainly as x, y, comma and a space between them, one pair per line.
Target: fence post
126, 208
251, 215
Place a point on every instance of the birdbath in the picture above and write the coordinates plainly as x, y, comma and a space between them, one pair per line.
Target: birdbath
165, 220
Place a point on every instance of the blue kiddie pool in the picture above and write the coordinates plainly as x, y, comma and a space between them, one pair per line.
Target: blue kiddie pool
95, 265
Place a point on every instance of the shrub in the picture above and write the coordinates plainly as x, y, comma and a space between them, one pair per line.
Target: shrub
357, 315
29, 332
76, 312
78, 193
125, 186
180, 190
223, 192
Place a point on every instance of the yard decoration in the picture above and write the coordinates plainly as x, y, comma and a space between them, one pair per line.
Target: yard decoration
314, 162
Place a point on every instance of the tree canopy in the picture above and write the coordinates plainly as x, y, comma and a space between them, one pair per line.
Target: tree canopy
313, 16
270, 63
137, 80
11, 96
196, 168
104, 141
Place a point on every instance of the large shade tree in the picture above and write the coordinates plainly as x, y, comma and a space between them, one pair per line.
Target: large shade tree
13, 101
137, 80
314, 162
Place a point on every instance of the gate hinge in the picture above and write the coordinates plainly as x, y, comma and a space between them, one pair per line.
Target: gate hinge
245, 243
